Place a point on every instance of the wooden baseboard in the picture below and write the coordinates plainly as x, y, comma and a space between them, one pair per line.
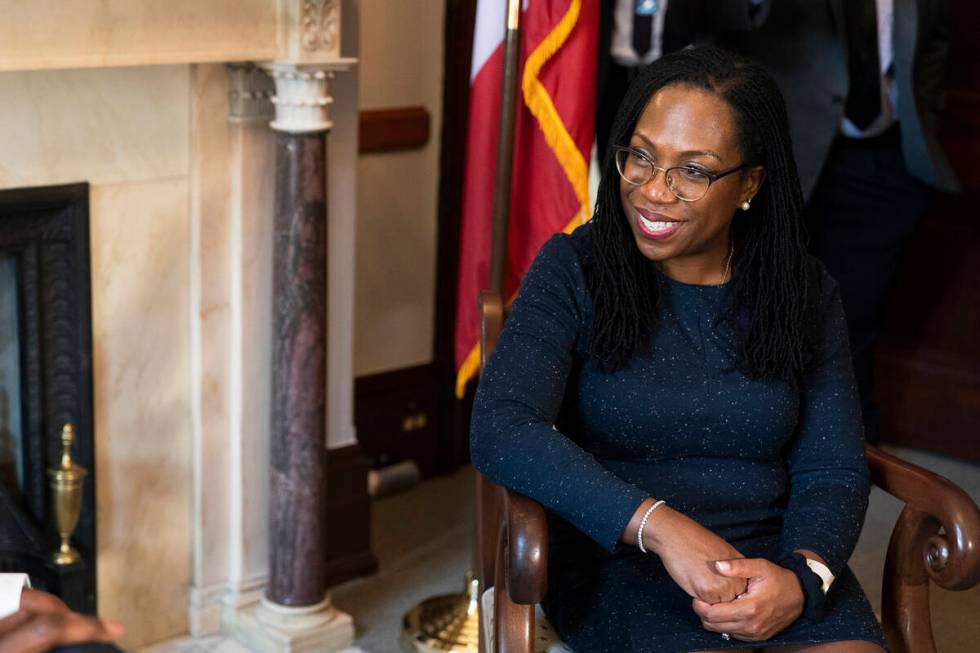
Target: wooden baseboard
348, 516
357, 565
398, 417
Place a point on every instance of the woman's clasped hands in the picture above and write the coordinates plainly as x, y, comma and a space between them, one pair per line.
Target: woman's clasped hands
749, 599
688, 550
773, 599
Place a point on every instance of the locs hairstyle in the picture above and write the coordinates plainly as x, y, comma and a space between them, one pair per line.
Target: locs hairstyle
773, 297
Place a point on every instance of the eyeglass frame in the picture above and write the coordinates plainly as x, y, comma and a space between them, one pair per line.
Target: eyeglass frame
712, 176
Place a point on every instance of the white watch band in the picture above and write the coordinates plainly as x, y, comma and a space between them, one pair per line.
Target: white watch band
820, 569
11, 586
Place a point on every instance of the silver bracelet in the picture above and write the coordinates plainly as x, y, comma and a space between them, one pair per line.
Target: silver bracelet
643, 523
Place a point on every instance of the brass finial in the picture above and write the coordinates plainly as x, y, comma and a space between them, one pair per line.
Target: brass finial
67, 437
66, 497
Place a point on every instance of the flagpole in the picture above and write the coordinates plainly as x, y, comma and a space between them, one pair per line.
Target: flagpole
450, 622
505, 148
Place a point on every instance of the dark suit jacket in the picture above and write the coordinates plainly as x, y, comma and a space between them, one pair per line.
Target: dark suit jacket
802, 44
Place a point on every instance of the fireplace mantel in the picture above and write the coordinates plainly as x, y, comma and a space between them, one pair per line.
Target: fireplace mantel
52, 34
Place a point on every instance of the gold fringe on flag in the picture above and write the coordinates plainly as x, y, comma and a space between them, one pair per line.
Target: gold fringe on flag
538, 101
561, 143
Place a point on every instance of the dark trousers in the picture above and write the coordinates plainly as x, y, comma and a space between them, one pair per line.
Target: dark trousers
862, 212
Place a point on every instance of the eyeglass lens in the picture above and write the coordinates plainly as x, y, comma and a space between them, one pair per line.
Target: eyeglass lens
686, 183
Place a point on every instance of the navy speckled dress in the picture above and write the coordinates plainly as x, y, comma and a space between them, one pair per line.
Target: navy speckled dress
767, 468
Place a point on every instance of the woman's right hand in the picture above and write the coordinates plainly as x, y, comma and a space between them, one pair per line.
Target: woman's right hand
689, 551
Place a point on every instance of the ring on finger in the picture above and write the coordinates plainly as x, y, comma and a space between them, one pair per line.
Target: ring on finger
726, 636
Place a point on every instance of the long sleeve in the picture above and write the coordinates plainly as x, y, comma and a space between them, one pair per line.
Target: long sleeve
828, 471
513, 440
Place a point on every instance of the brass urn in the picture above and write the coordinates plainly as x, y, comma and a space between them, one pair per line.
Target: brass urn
66, 498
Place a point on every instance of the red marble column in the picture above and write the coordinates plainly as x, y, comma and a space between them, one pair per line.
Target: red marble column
299, 368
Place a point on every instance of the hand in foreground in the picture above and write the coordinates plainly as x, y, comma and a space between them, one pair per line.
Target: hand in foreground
688, 551
773, 600
43, 622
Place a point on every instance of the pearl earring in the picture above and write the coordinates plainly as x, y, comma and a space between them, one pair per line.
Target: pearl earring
745, 205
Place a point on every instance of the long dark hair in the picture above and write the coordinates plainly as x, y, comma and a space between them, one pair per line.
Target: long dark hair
772, 299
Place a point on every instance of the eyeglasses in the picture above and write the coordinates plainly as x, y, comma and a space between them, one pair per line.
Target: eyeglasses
687, 183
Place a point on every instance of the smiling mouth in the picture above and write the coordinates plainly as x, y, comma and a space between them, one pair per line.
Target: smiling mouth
657, 229
657, 226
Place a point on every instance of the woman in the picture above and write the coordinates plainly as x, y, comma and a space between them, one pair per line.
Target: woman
674, 386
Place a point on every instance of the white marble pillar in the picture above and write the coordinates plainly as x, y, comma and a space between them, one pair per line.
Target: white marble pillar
231, 199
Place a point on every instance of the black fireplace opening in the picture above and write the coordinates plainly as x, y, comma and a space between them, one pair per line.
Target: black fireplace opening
45, 382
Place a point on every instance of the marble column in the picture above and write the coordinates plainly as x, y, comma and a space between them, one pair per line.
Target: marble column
295, 613
299, 369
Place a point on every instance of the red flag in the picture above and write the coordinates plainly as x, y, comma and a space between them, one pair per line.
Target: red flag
553, 138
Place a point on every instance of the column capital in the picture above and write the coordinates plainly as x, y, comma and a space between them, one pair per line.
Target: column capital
302, 94
250, 92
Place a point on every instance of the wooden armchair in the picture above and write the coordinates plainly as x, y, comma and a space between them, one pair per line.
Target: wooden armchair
936, 538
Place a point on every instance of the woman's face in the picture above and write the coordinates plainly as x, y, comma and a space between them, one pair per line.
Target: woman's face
687, 126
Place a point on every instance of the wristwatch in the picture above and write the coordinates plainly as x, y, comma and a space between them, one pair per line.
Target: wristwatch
822, 570
815, 580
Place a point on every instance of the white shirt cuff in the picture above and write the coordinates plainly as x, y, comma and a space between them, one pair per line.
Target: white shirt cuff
11, 586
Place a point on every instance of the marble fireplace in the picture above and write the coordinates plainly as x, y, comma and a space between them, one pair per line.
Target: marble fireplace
172, 116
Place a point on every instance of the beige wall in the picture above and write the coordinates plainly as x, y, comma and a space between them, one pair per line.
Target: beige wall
127, 132
400, 65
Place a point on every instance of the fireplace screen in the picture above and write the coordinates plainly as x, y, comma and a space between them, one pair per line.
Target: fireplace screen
11, 454
46, 385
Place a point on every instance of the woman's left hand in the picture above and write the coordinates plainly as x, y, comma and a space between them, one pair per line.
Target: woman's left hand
772, 601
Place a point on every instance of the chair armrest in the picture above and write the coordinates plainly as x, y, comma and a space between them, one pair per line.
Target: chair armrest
937, 538
527, 550
952, 558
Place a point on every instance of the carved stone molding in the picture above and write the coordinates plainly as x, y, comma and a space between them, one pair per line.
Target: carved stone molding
320, 23
250, 94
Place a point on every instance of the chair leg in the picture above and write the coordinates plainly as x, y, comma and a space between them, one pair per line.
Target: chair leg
513, 623
487, 536
488, 520
905, 591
